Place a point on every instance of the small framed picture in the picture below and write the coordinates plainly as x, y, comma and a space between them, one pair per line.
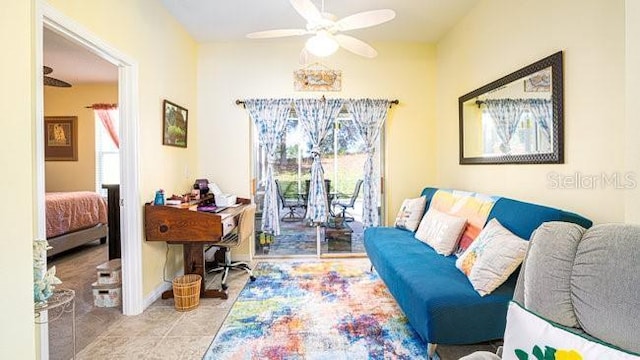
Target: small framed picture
61, 138
174, 124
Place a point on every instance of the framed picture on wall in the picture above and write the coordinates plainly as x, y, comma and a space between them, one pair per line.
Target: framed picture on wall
61, 138
174, 124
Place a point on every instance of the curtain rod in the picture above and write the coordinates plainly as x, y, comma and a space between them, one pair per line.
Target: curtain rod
391, 102
91, 106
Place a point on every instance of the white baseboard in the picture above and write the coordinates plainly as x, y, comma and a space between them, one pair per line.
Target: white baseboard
242, 257
157, 292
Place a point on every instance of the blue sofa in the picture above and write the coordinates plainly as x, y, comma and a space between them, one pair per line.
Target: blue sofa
436, 297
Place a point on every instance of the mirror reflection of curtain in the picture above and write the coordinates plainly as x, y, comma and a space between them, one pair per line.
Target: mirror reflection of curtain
506, 115
317, 117
369, 115
270, 117
542, 113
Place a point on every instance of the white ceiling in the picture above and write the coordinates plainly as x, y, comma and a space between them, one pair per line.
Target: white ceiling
416, 20
73, 63
211, 21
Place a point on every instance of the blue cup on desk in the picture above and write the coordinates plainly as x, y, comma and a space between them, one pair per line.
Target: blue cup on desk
159, 200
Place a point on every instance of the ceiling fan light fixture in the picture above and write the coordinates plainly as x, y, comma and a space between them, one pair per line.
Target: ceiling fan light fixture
322, 44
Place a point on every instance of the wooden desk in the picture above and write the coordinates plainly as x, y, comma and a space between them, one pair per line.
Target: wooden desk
195, 230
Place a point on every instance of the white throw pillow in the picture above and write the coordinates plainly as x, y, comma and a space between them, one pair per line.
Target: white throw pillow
441, 231
410, 213
492, 257
529, 336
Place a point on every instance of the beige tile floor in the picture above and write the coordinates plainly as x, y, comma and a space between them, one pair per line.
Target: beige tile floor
161, 332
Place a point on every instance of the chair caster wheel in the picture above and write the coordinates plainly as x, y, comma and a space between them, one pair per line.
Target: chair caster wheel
252, 278
224, 287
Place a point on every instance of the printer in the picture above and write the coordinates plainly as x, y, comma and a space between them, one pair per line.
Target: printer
220, 198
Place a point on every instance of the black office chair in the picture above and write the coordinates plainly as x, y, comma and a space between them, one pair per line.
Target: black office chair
350, 203
292, 203
244, 231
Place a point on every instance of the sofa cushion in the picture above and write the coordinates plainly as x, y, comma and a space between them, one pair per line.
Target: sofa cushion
410, 213
547, 275
432, 292
530, 336
604, 284
474, 207
492, 257
441, 231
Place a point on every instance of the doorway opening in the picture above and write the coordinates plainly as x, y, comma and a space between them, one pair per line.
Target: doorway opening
343, 163
51, 19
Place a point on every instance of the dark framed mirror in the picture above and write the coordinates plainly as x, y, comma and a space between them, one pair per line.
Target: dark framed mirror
517, 119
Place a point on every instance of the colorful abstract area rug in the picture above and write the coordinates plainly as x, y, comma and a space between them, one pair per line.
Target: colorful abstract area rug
315, 310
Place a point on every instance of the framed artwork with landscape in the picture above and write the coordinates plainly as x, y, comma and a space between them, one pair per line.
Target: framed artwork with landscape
174, 124
61, 138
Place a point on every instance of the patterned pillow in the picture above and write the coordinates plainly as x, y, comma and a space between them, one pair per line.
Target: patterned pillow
441, 231
529, 336
410, 213
492, 257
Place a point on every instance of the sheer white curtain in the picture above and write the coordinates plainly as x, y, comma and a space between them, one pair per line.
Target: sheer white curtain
506, 115
270, 118
317, 117
369, 115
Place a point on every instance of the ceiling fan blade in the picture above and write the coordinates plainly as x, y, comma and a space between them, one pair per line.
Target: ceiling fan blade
356, 46
277, 33
365, 19
49, 81
47, 70
307, 10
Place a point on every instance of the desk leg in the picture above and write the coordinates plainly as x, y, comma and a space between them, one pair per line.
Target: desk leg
194, 263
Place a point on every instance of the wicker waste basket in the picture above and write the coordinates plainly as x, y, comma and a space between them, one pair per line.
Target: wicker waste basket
186, 292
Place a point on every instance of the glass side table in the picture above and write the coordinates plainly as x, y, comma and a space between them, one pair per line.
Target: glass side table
62, 301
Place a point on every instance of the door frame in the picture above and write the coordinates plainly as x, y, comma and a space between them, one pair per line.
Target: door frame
131, 217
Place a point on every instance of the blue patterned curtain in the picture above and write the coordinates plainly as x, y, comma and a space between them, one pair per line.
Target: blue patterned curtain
270, 117
506, 115
368, 116
317, 116
542, 113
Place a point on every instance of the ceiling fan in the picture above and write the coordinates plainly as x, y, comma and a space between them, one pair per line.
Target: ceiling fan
326, 30
51, 81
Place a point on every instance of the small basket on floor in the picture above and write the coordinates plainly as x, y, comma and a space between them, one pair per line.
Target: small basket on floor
186, 292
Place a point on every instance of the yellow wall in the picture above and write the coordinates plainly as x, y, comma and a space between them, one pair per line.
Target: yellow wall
166, 57
76, 175
487, 45
405, 71
17, 180
632, 213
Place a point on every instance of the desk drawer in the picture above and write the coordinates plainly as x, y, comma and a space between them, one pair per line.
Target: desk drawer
228, 224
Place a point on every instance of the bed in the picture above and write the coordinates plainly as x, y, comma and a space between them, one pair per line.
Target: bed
75, 218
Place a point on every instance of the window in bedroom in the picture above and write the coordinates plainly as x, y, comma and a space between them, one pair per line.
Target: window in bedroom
107, 148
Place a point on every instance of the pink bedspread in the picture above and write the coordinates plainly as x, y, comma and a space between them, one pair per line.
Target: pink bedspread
71, 211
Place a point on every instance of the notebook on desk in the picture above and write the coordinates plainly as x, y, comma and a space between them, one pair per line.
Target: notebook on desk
211, 208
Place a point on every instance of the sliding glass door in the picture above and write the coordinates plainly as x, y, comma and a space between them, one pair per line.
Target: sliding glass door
343, 157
